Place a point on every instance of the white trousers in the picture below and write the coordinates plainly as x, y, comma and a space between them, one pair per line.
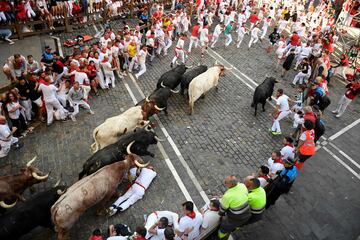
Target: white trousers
192, 41
167, 46
87, 89
300, 77
239, 40
3, 17
179, 54
77, 104
142, 69
228, 39
110, 78
5, 146
214, 40
50, 107
27, 105
342, 105
264, 31
100, 76
276, 124
253, 39
135, 193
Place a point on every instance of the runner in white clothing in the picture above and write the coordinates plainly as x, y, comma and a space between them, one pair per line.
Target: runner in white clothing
215, 37
266, 24
142, 59
254, 35
281, 111
204, 39
179, 50
154, 217
135, 192
241, 33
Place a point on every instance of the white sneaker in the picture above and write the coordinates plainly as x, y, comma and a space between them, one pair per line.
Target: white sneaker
337, 115
91, 112
73, 118
112, 211
335, 112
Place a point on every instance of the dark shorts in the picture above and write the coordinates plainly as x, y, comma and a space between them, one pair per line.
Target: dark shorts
228, 225
303, 158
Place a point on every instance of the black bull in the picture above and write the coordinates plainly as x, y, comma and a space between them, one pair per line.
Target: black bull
262, 92
28, 215
136, 142
190, 75
172, 78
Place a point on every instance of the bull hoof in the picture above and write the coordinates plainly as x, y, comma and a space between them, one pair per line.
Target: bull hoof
100, 212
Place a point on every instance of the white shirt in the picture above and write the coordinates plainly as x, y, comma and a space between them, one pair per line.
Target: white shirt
254, 32
274, 167
49, 92
288, 151
142, 56
262, 181
145, 178
283, 102
187, 222
5, 133
217, 30
204, 32
10, 106
241, 31
210, 219
180, 44
81, 77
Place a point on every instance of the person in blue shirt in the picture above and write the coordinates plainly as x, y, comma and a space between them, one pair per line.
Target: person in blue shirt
47, 57
282, 183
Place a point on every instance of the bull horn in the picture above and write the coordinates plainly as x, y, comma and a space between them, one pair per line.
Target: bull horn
128, 147
37, 177
59, 192
216, 62
147, 99
141, 165
159, 139
173, 91
189, 66
57, 183
4, 205
162, 84
30, 162
226, 68
159, 109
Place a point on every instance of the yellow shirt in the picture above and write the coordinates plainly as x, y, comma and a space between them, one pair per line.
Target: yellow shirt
132, 50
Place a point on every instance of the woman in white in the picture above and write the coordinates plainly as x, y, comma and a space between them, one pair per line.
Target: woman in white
108, 71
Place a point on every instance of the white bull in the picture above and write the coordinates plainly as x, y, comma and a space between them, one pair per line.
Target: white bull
203, 83
110, 131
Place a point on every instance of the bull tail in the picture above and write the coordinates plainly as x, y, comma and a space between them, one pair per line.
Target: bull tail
95, 146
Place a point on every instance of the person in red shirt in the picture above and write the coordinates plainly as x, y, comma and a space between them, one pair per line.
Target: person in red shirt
253, 19
194, 36
294, 39
140, 233
353, 90
342, 66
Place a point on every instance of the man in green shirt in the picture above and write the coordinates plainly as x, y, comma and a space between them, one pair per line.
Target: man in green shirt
257, 198
227, 33
234, 207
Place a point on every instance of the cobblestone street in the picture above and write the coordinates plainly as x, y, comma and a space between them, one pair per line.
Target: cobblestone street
222, 137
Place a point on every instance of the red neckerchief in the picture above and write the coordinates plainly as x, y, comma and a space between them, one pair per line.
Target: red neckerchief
104, 61
279, 160
290, 145
191, 215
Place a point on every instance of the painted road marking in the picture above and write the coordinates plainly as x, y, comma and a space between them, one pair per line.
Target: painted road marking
176, 149
249, 80
357, 175
162, 151
345, 155
345, 129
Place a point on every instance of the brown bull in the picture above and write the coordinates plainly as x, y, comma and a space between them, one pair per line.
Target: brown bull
11, 187
95, 188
